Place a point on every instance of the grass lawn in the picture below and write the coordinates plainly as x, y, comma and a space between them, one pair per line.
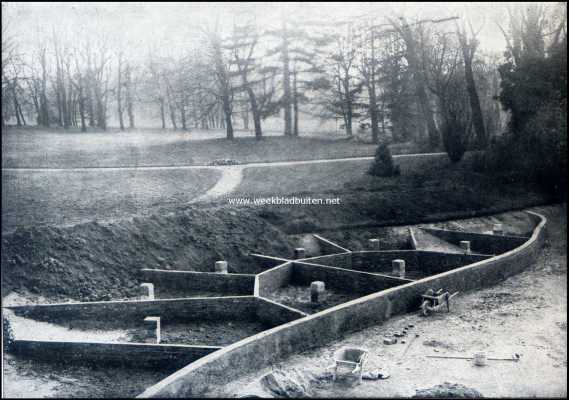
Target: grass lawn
33, 148
430, 192
310, 178
63, 197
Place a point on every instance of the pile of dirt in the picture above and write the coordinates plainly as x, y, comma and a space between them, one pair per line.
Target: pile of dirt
95, 261
448, 390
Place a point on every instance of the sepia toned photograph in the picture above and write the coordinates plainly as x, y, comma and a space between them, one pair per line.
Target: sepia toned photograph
284, 200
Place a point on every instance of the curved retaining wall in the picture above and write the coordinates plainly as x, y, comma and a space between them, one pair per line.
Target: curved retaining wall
318, 329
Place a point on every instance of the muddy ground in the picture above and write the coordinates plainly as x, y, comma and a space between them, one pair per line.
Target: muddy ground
526, 314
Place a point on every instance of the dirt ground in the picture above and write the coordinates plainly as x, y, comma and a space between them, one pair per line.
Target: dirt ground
526, 314
94, 261
199, 333
298, 297
25, 378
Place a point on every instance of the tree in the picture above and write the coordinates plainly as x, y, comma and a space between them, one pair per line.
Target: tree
344, 86
223, 91
119, 89
297, 52
242, 46
368, 67
409, 35
469, 46
450, 88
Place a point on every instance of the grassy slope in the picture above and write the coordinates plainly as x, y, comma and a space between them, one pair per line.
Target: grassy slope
436, 192
65, 197
22, 148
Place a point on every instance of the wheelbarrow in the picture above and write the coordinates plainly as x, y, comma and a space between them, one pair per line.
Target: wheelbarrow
350, 360
435, 301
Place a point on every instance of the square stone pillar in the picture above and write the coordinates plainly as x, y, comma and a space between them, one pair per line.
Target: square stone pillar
497, 229
221, 267
148, 290
317, 289
398, 268
152, 328
299, 253
465, 245
373, 244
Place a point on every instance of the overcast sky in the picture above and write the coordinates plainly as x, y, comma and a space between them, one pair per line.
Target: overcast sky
178, 23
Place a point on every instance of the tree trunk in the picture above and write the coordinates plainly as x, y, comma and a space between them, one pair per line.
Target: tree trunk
16, 104
295, 105
171, 107
419, 78
162, 116
183, 113
348, 106
119, 94
43, 97
477, 119
129, 98
373, 114
286, 85
82, 106
227, 113
256, 114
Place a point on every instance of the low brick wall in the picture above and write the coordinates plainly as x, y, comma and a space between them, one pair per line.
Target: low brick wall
433, 262
343, 280
262, 262
340, 260
274, 278
321, 328
205, 308
166, 281
329, 247
273, 314
380, 261
131, 355
479, 242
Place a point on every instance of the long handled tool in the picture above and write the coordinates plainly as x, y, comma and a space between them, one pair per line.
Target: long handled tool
514, 359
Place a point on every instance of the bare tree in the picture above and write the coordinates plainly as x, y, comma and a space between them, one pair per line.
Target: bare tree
224, 91
469, 44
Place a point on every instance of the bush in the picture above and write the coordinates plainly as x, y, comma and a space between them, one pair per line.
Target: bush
454, 132
537, 153
383, 163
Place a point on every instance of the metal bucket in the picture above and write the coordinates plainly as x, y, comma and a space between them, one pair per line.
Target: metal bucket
480, 359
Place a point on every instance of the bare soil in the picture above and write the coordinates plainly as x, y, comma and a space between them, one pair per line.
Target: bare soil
298, 297
94, 261
24, 378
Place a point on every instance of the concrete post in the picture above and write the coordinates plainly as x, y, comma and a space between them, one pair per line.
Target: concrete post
221, 267
373, 244
148, 289
299, 252
152, 325
317, 288
465, 245
497, 229
398, 268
